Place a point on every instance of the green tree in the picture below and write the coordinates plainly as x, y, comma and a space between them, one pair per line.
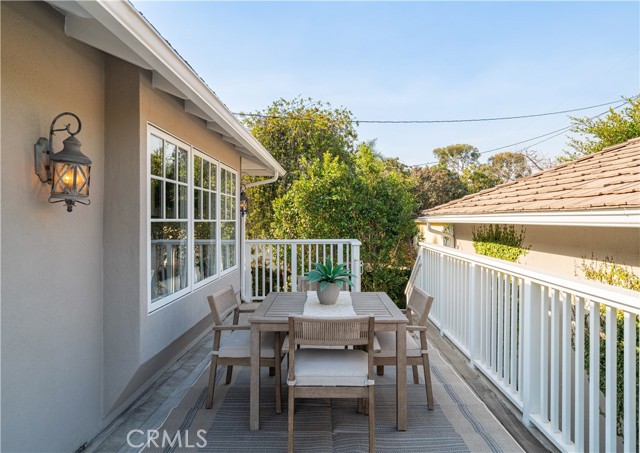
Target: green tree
457, 157
597, 134
366, 199
436, 185
479, 177
295, 132
509, 166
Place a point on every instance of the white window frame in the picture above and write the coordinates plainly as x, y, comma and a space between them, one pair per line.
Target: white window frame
192, 285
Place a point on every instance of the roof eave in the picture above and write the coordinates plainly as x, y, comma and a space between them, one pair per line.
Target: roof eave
130, 27
622, 218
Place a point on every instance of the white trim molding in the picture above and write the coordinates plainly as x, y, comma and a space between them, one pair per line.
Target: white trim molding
622, 218
117, 28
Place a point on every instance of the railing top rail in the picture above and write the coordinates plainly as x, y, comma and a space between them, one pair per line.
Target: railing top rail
304, 241
624, 299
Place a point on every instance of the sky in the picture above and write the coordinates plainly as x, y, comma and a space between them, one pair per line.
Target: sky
416, 61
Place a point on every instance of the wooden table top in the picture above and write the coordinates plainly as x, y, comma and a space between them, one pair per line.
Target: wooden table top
277, 307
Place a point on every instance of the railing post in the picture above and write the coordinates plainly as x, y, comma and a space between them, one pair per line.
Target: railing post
355, 265
474, 319
531, 358
294, 267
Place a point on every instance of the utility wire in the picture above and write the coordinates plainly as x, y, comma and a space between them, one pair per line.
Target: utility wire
467, 120
552, 134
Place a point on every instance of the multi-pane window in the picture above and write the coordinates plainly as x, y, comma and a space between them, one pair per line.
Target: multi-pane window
205, 177
169, 219
228, 218
193, 218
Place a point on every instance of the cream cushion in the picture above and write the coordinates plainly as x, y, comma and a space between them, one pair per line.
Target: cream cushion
387, 341
331, 368
237, 345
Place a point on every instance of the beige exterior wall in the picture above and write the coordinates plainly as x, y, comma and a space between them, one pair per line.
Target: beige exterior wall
560, 249
167, 332
78, 343
51, 259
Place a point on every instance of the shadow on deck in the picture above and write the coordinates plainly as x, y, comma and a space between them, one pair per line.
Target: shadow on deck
461, 421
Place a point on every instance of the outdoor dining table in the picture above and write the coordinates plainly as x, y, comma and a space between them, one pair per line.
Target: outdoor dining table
273, 314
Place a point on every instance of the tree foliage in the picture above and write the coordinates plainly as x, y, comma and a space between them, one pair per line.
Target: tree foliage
367, 199
479, 177
436, 185
295, 132
457, 157
597, 134
509, 166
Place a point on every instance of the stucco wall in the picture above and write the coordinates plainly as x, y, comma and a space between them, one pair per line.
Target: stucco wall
138, 345
561, 249
78, 343
51, 259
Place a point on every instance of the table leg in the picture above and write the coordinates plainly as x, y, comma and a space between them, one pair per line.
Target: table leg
254, 395
401, 377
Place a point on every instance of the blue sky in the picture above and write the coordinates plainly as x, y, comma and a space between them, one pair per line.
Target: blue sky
415, 61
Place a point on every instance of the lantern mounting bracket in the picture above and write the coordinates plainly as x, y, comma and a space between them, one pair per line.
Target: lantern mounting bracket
42, 148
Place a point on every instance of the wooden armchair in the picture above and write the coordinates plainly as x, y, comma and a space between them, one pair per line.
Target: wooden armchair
317, 372
418, 307
233, 349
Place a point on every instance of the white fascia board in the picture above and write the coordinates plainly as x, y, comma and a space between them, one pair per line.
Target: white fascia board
122, 20
624, 218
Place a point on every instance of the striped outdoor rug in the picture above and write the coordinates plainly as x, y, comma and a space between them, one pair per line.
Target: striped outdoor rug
460, 421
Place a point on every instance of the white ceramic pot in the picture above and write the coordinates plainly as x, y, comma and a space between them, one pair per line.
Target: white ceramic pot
328, 296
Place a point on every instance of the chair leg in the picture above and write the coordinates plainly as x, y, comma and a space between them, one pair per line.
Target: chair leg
277, 359
372, 421
229, 374
212, 380
427, 380
278, 389
416, 377
291, 410
380, 369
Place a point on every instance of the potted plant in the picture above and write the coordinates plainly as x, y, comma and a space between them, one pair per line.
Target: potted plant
330, 280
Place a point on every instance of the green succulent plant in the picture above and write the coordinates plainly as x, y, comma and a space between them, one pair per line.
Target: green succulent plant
327, 274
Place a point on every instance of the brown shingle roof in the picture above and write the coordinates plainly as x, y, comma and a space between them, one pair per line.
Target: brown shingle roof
606, 180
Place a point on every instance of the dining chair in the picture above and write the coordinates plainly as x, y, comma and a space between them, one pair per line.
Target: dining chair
418, 307
317, 372
233, 349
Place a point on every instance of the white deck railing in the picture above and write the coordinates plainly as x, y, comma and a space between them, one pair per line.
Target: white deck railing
530, 333
275, 265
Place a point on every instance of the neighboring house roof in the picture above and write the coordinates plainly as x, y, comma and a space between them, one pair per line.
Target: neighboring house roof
601, 189
117, 28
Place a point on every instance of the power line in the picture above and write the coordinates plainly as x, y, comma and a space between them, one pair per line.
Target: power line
552, 135
467, 120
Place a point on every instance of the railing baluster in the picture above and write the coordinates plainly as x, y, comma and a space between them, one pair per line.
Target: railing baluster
610, 379
514, 333
521, 321
579, 376
594, 376
531, 379
507, 330
566, 367
500, 324
264, 271
544, 355
630, 425
555, 362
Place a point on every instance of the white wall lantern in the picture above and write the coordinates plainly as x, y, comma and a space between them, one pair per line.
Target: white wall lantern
68, 171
